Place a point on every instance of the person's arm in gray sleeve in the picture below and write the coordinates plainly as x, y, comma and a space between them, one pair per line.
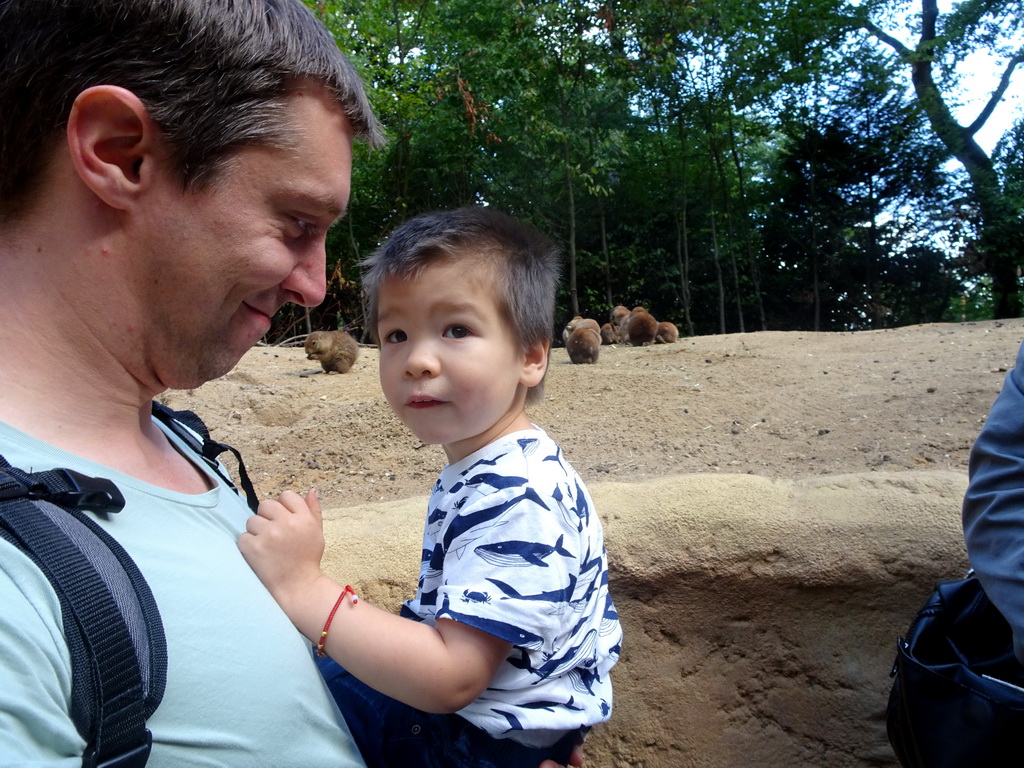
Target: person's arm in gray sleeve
993, 510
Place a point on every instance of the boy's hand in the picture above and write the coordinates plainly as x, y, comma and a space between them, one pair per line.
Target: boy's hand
284, 542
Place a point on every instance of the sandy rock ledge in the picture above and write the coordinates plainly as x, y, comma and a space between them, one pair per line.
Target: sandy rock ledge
760, 615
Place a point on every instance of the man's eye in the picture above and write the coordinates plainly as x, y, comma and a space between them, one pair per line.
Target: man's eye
395, 337
457, 332
303, 228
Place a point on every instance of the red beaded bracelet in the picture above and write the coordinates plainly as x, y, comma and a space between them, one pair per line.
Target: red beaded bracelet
319, 647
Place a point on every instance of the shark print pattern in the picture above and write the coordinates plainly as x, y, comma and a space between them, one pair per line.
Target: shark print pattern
513, 547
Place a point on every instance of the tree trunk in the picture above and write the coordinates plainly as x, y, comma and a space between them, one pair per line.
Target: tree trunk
993, 208
607, 259
755, 272
815, 272
723, 184
718, 273
574, 300
683, 255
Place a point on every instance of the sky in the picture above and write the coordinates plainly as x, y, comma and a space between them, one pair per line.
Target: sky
981, 78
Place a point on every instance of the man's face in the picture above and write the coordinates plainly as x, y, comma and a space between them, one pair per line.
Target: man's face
214, 266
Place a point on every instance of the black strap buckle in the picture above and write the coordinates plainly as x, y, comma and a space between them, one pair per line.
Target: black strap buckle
93, 494
135, 757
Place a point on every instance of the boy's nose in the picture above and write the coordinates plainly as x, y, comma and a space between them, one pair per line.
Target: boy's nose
421, 362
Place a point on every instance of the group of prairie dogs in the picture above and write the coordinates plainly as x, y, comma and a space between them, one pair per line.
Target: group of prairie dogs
583, 337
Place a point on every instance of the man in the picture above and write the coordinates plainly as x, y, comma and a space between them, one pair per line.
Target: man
168, 170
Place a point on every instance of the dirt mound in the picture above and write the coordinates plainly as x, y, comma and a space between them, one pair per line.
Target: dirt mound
775, 404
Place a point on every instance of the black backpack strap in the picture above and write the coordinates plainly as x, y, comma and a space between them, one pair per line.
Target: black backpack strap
191, 429
113, 629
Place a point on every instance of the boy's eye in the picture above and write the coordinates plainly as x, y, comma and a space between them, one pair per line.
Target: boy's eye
457, 332
395, 337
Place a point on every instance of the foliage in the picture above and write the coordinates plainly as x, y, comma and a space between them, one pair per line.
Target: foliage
731, 166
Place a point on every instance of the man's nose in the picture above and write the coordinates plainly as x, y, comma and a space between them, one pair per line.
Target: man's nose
306, 284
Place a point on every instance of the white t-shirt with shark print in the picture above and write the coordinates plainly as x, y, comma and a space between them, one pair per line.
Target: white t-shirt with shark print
512, 546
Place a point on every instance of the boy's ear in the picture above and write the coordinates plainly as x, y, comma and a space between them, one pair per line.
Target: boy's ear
535, 363
112, 139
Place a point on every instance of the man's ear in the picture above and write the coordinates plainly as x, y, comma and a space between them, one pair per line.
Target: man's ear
535, 363
112, 139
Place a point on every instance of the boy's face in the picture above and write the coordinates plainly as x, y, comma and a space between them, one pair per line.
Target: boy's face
451, 368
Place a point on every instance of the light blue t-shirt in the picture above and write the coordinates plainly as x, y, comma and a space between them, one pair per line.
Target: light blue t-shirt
242, 688
512, 546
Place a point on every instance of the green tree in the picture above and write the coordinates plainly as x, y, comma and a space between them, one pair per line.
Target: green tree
943, 41
716, 161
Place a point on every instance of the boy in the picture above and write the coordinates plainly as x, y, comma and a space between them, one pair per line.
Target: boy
514, 627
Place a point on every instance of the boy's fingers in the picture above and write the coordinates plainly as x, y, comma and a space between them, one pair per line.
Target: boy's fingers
270, 509
313, 502
253, 524
291, 501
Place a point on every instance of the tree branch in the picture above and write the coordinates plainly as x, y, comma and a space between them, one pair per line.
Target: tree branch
997, 94
929, 16
886, 38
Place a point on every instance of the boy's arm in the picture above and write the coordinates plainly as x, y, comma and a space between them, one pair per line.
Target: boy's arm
435, 669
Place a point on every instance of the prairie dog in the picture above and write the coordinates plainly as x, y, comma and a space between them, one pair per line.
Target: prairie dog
578, 322
619, 316
640, 328
583, 345
609, 334
667, 333
336, 350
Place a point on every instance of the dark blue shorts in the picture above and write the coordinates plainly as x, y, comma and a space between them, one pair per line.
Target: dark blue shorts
391, 734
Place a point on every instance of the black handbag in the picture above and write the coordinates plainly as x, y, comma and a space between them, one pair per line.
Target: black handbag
957, 698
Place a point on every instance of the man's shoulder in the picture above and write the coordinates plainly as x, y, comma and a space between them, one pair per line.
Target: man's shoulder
35, 669
23, 584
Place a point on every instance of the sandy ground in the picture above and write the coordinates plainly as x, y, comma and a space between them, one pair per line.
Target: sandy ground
778, 404
659, 423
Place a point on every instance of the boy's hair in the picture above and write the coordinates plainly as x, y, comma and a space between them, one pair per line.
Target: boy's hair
526, 263
213, 74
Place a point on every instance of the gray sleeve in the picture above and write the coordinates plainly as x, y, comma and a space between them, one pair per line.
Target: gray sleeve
993, 509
